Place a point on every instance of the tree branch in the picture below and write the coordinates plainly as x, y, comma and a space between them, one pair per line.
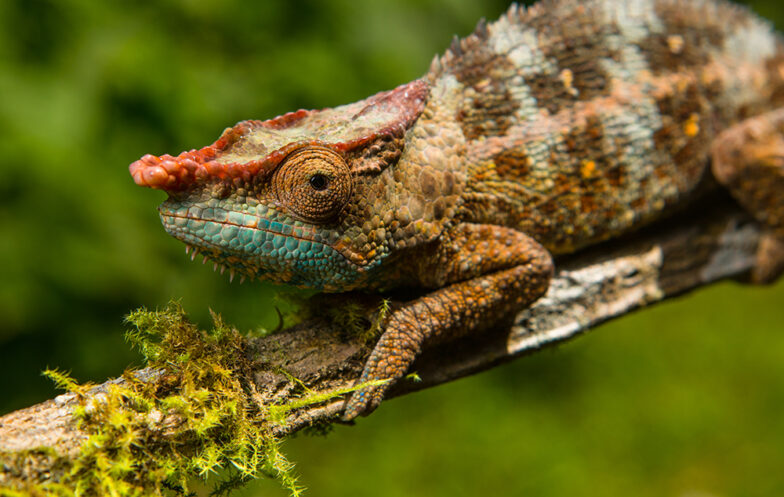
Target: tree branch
693, 249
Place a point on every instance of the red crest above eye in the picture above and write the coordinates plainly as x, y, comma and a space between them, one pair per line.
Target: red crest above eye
252, 148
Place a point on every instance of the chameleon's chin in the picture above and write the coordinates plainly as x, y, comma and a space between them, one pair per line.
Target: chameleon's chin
219, 262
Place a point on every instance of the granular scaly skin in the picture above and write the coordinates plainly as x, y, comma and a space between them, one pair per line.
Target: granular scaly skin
551, 129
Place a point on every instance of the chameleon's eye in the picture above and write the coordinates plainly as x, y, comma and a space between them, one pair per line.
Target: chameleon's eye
319, 182
314, 183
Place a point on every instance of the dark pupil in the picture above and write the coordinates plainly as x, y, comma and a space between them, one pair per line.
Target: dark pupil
318, 182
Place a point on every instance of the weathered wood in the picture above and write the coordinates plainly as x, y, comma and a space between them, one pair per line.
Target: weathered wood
610, 280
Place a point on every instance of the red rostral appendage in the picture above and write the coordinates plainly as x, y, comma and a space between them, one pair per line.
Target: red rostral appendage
251, 148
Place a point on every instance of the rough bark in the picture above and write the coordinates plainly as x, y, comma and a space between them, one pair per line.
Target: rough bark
690, 250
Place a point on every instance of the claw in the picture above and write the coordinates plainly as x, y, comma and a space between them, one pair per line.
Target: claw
365, 400
231, 275
280, 321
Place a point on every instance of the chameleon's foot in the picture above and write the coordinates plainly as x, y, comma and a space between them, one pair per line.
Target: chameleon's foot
770, 260
748, 159
363, 401
390, 359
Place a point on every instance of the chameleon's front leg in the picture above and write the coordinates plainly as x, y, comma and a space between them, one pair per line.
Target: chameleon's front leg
489, 271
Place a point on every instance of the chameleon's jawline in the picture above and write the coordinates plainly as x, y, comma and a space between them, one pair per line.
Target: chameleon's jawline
269, 252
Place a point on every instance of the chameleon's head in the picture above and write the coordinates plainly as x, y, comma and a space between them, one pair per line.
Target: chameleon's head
285, 199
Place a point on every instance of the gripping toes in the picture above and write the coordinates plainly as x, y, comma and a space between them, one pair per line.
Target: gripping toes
748, 159
390, 359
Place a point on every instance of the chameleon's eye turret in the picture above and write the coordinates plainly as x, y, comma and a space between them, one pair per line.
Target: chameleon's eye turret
314, 183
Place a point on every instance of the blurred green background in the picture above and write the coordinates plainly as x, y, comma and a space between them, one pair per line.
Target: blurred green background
685, 399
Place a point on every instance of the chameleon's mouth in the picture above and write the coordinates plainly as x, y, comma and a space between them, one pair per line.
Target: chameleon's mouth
250, 246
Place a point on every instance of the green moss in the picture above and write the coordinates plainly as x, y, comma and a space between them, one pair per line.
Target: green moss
197, 395
357, 319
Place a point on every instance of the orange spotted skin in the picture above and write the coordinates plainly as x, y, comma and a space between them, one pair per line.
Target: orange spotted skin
551, 129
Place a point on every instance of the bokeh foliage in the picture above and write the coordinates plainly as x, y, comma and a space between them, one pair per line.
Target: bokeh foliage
686, 397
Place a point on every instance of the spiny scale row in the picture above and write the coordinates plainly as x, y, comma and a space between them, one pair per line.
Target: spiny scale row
460, 46
194, 251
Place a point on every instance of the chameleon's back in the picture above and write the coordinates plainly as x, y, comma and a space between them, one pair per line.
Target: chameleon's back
576, 121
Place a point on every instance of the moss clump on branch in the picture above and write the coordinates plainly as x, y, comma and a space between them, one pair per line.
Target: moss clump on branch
189, 415
361, 318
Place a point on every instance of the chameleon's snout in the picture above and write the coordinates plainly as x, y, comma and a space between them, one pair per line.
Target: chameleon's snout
174, 173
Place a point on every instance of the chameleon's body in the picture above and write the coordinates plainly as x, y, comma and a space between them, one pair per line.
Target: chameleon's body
551, 129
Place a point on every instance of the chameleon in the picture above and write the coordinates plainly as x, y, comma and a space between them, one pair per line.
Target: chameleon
552, 129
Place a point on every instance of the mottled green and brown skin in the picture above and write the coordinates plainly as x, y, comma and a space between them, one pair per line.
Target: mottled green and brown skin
551, 129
